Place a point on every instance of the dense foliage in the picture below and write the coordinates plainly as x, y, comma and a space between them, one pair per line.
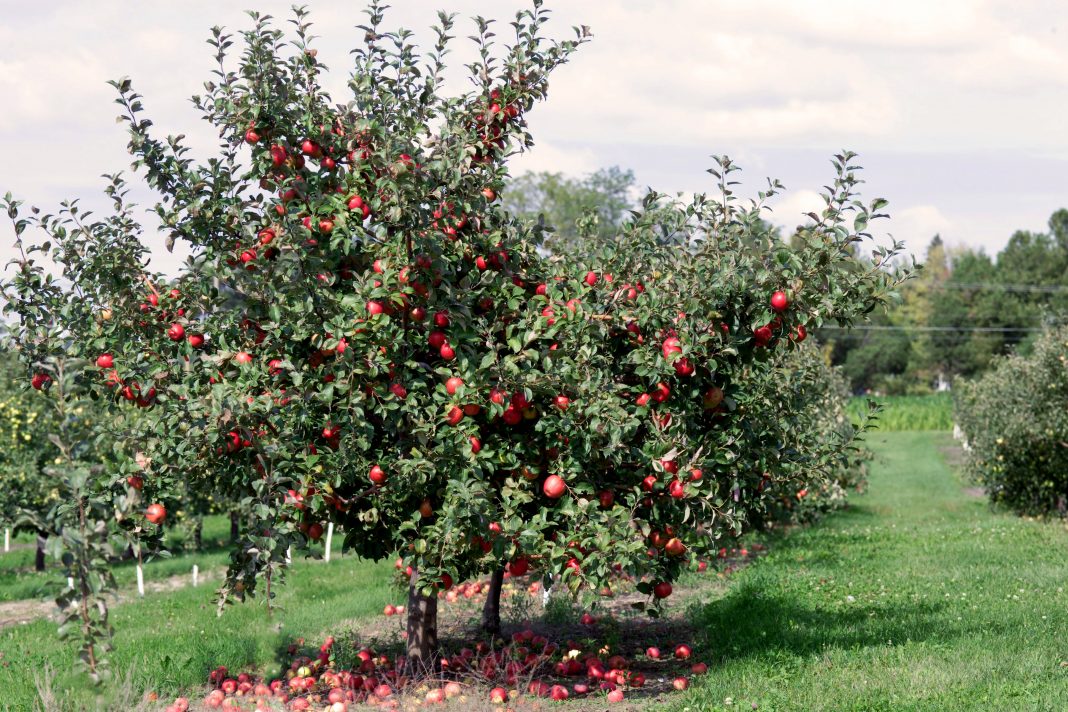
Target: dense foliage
365, 336
813, 410
1015, 424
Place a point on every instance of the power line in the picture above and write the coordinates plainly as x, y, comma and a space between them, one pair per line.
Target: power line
994, 286
955, 329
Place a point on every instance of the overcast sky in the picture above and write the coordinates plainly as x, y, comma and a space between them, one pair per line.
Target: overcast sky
958, 108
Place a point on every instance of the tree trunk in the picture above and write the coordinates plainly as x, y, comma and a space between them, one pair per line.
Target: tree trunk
198, 533
491, 611
235, 529
39, 560
422, 627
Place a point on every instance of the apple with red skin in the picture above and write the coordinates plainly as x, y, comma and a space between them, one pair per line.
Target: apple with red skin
662, 590
452, 385
562, 402
591, 278
40, 380
498, 695
176, 332
447, 352
682, 651
606, 498
671, 347
377, 475
455, 415
779, 302
652, 652
615, 696
684, 367
136, 481
519, 566
155, 513
699, 668
196, 341
105, 361
680, 683
675, 547
800, 333
375, 308
243, 357
554, 487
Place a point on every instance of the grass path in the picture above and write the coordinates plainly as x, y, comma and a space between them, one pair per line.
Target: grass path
917, 598
167, 641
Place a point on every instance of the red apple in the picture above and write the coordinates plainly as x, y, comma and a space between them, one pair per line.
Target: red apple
680, 683
662, 590
779, 302
155, 513
377, 475
176, 332
682, 651
554, 487
562, 402
452, 385
105, 361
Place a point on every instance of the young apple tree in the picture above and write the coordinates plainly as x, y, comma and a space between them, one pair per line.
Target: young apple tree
364, 336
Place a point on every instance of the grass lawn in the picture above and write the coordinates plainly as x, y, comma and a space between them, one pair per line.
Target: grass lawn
917, 598
19, 581
168, 641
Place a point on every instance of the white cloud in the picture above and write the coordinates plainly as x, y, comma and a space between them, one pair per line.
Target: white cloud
763, 79
917, 224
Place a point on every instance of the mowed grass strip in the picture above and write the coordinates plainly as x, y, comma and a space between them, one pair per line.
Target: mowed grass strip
19, 581
917, 598
168, 642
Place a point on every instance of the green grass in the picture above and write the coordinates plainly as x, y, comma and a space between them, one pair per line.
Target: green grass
19, 581
168, 642
933, 412
917, 598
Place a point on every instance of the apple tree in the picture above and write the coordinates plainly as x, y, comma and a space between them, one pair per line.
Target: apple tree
364, 336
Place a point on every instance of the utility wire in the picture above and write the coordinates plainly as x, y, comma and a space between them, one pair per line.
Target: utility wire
994, 286
956, 329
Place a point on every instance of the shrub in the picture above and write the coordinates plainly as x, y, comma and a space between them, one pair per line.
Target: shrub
1015, 422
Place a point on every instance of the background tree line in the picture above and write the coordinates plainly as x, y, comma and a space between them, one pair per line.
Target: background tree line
965, 308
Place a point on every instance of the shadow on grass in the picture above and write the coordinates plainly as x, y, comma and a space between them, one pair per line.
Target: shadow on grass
751, 622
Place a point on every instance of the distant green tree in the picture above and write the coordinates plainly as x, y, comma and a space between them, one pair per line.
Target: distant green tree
594, 204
